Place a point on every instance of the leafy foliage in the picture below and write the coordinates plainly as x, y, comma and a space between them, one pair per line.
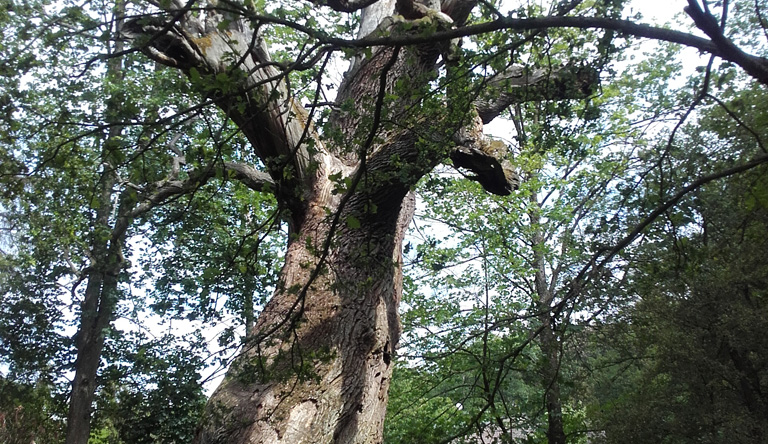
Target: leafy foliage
618, 295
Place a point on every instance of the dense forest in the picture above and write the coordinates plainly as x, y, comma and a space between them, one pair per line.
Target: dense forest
383, 221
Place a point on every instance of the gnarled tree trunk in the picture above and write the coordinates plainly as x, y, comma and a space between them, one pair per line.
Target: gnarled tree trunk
317, 364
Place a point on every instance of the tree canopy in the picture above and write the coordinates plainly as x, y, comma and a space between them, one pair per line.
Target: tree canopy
386, 220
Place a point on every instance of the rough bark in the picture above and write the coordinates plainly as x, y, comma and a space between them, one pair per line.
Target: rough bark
550, 372
552, 402
318, 362
323, 374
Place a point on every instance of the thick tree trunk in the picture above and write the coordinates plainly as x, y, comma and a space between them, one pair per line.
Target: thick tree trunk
317, 364
319, 361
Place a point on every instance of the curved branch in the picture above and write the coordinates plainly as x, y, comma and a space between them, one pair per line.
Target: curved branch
250, 88
487, 159
165, 190
492, 170
516, 24
755, 66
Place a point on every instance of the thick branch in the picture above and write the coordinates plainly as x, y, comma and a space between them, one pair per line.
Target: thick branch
373, 15
253, 90
517, 85
755, 66
492, 170
487, 159
363, 82
526, 24
250, 176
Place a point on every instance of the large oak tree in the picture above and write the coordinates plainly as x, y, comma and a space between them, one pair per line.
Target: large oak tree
319, 359
317, 364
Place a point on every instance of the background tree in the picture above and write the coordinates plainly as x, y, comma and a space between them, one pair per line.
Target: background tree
440, 343
506, 266
89, 153
699, 281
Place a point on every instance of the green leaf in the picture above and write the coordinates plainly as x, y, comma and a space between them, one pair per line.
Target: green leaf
352, 222
194, 75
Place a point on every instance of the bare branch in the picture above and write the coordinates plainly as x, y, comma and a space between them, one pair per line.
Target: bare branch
720, 46
740, 122
755, 66
277, 126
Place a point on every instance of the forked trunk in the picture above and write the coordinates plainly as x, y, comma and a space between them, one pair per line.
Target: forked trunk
316, 366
